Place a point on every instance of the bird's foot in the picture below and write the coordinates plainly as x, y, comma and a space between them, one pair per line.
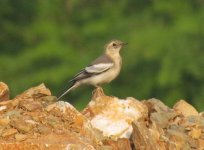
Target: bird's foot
98, 92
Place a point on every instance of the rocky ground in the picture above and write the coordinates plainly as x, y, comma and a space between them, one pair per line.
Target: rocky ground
36, 120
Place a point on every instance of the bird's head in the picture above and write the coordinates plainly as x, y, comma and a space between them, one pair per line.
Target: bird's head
114, 46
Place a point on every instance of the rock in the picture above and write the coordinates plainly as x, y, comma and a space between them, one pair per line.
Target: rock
185, 108
10, 104
42, 129
177, 128
112, 128
30, 105
69, 113
140, 107
201, 143
195, 133
35, 92
193, 143
20, 137
177, 140
47, 100
201, 114
120, 144
162, 119
12, 113
62, 106
33, 115
156, 105
50, 142
3, 108
201, 125
4, 121
105, 147
63, 115
144, 138
54, 122
21, 125
4, 92
191, 121
36, 120
9, 132
113, 117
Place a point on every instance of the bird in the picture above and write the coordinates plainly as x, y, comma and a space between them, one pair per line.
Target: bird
102, 70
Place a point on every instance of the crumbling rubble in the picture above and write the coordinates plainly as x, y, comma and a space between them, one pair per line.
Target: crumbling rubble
36, 120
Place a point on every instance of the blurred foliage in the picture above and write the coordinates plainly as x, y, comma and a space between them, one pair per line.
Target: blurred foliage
51, 40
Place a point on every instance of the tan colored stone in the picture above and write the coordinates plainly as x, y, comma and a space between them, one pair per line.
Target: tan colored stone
42, 129
195, 133
33, 121
22, 126
185, 108
144, 138
4, 92
112, 116
162, 119
20, 137
54, 122
120, 144
201, 114
35, 92
9, 132
48, 142
4, 121
105, 147
30, 105
13, 113
9, 104
201, 143
155, 105
47, 100
177, 140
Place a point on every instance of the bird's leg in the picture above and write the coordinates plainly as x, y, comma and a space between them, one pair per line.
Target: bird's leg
98, 91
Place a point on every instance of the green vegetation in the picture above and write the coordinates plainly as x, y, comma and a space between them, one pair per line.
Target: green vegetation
51, 40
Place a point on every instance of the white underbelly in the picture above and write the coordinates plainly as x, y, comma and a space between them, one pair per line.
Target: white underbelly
102, 78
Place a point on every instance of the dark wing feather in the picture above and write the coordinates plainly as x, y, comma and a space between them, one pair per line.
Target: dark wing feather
81, 75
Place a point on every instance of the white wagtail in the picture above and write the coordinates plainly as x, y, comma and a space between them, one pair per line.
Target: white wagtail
102, 70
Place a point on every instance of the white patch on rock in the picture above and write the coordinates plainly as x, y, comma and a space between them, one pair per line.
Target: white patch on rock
31, 122
111, 128
114, 118
2, 108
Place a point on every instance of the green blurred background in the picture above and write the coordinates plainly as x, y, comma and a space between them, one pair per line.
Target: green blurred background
51, 40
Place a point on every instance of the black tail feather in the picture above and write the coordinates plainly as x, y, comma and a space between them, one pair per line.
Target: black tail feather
72, 86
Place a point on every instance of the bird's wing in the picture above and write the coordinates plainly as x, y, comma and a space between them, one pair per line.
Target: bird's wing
81, 75
101, 64
98, 68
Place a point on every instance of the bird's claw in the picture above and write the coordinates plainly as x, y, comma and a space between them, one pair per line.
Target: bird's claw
98, 92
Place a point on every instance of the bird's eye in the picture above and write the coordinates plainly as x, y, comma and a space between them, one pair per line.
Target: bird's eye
114, 44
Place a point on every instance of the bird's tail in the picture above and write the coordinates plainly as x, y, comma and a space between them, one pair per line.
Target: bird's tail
74, 85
